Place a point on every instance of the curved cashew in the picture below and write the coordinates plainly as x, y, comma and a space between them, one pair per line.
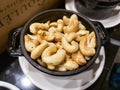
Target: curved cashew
51, 66
81, 26
61, 67
82, 32
70, 48
58, 36
38, 50
58, 26
59, 45
34, 27
73, 26
66, 20
50, 56
71, 36
51, 49
85, 50
71, 65
78, 58
73, 17
91, 40
30, 43
48, 36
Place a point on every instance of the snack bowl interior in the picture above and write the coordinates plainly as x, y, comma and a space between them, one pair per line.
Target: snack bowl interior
54, 15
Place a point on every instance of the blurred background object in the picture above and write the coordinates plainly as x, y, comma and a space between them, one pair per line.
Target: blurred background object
15, 13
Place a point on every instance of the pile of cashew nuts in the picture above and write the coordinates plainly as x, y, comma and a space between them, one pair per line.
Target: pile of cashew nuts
62, 45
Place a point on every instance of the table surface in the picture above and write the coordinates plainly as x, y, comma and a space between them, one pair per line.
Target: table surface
11, 72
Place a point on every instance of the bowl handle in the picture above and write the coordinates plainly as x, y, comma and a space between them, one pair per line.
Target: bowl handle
14, 49
104, 34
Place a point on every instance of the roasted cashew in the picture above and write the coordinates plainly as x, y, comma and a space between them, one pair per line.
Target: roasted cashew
70, 48
30, 42
91, 40
73, 26
81, 26
53, 56
74, 17
58, 26
82, 32
58, 36
38, 50
48, 36
66, 20
71, 36
59, 45
61, 67
71, 65
51, 66
85, 50
34, 27
78, 58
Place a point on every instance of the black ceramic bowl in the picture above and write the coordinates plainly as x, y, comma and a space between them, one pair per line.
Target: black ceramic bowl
54, 15
101, 4
97, 9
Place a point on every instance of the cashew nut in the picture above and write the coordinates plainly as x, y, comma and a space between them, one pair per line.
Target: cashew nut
73, 26
81, 26
61, 67
51, 66
71, 36
78, 58
85, 50
38, 50
71, 65
83, 32
58, 36
91, 40
70, 48
30, 43
34, 27
48, 36
58, 26
53, 56
66, 20
73, 17
59, 45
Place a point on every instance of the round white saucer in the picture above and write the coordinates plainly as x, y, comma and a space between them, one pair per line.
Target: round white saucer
76, 82
108, 22
8, 85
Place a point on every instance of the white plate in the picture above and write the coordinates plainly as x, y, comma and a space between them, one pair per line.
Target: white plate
108, 22
76, 82
8, 85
